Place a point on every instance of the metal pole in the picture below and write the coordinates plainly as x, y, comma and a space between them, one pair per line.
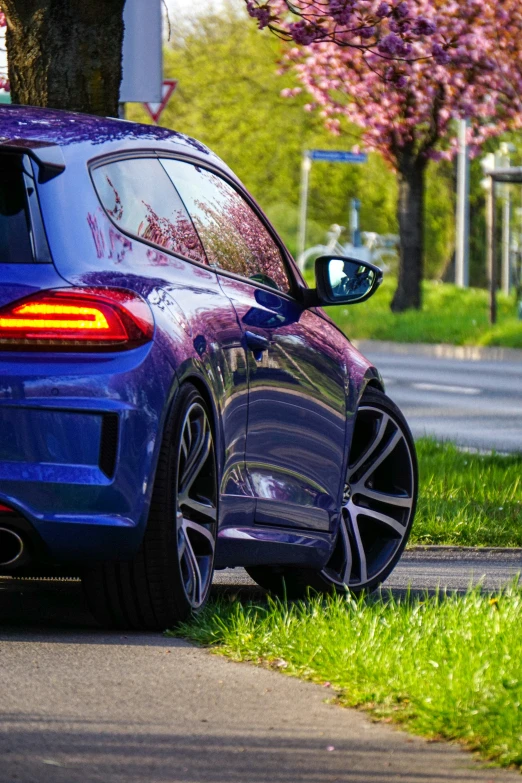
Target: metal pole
506, 241
306, 165
490, 248
462, 227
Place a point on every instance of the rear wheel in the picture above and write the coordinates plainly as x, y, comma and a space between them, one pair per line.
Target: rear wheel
171, 574
378, 508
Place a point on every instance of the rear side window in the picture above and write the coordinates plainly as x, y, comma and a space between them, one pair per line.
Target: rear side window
233, 236
139, 197
15, 233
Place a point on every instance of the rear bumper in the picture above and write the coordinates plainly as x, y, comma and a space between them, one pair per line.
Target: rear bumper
79, 438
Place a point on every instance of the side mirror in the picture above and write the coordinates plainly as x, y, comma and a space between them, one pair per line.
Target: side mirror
342, 280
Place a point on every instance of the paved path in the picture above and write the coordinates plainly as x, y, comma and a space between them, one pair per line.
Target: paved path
478, 403
80, 705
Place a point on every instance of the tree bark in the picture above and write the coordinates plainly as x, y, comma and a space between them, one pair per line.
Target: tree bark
410, 213
65, 54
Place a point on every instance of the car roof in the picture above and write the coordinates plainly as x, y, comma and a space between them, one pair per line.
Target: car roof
87, 136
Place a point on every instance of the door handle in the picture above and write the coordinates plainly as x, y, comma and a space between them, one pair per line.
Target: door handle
257, 344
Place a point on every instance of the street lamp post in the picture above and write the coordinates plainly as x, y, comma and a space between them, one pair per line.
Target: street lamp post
306, 165
462, 233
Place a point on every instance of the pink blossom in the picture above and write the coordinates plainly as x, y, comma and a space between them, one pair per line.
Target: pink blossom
359, 24
405, 86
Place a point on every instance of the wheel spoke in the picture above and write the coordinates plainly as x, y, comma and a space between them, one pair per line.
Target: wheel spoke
403, 501
191, 474
197, 456
363, 569
392, 443
343, 533
373, 445
205, 509
379, 517
194, 585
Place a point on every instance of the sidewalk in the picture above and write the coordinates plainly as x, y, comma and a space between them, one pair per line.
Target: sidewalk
110, 709
441, 351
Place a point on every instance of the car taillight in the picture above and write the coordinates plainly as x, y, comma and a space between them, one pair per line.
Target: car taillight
5, 509
77, 319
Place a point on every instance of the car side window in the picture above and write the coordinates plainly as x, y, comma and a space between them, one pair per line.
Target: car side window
140, 198
233, 236
15, 238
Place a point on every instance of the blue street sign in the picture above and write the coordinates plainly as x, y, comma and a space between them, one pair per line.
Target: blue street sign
338, 156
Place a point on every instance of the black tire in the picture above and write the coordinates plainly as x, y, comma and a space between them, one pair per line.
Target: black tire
171, 574
379, 505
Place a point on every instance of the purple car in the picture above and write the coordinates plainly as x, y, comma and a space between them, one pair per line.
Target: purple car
173, 397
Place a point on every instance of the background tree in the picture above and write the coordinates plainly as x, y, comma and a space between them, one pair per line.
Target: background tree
228, 96
458, 59
65, 54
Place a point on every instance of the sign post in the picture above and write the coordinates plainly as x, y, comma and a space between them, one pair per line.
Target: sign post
328, 156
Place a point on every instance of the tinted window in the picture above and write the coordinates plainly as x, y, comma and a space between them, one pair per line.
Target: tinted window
233, 236
15, 238
139, 197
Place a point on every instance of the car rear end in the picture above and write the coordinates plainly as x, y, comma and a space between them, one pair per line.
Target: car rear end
82, 396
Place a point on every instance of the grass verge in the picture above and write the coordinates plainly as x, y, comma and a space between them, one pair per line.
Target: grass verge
449, 315
445, 667
467, 499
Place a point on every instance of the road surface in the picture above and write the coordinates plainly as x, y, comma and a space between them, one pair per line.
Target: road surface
476, 403
79, 705
420, 569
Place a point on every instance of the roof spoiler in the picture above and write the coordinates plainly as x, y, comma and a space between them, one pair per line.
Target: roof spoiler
48, 157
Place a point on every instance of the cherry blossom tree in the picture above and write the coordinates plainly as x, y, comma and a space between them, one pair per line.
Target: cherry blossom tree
4, 81
403, 71
64, 54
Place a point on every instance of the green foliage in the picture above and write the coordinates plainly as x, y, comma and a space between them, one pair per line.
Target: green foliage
446, 666
439, 223
228, 96
467, 499
449, 315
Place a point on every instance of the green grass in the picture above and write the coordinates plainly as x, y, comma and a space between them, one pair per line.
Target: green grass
467, 499
445, 667
449, 315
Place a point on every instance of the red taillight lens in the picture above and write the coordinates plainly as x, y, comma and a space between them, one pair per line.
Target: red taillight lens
77, 319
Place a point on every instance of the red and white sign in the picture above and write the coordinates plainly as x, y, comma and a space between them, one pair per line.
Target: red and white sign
155, 110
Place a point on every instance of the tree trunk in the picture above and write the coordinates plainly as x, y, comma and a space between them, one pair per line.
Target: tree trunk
65, 54
410, 213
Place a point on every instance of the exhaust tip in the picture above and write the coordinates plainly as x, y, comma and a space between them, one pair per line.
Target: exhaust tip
11, 546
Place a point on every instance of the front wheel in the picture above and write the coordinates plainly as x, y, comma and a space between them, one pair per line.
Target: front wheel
379, 501
171, 574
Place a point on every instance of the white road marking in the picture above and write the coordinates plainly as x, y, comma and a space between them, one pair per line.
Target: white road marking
443, 388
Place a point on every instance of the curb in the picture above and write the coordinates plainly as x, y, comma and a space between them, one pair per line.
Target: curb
448, 552
474, 353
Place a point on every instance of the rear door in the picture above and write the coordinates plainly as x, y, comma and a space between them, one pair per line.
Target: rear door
296, 411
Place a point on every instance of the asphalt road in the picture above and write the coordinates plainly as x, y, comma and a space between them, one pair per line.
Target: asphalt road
476, 403
421, 569
78, 704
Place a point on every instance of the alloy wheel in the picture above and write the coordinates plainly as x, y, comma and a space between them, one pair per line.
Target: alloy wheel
196, 515
378, 502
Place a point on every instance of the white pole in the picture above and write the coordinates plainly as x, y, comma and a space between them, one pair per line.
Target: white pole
306, 165
506, 242
462, 232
